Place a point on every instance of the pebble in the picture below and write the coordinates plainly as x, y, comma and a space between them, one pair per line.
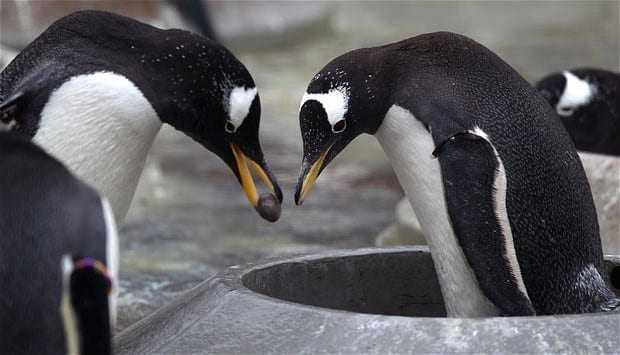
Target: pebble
268, 207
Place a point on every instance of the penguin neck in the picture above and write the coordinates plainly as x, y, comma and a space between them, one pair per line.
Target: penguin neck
101, 127
409, 146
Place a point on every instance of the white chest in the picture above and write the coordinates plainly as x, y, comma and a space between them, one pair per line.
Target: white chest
409, 147
101, 127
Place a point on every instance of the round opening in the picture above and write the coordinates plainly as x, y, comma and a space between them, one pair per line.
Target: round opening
614, 277
392, 283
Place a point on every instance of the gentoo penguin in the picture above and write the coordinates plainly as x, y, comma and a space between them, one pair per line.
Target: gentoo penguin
94, 89
196, 13
588, 103
59, 257
490, 172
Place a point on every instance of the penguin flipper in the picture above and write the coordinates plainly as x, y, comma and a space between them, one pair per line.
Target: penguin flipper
475, 188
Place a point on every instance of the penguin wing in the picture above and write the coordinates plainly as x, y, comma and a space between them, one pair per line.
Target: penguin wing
475, 190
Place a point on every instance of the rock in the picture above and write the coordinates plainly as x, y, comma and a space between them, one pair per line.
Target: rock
352, 301
406, 230
269, 207
603, 172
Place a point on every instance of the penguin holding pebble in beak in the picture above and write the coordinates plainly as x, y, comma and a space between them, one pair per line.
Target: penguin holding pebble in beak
59, 252
94, 89
588, 103
491, 173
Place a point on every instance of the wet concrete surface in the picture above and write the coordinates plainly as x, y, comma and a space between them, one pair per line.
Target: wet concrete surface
189, 218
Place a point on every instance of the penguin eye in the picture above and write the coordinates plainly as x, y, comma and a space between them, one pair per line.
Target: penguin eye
565, 110
339, 126
230, 127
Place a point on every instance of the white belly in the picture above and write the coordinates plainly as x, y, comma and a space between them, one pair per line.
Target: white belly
101, 127
409, 147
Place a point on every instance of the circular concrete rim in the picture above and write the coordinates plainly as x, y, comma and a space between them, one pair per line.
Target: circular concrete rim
241, 272
222, 316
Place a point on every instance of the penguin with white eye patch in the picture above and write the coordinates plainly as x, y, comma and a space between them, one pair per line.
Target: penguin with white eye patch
94, 89
59, 253
490, 172
588, 103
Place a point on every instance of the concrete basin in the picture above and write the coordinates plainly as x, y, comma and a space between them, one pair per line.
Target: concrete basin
353, 301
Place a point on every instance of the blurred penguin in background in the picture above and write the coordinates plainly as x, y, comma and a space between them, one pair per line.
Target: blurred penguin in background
196, 13
59, 257
588, 103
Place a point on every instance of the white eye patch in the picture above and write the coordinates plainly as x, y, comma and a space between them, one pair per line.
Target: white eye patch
335, 103
239, 102
577, 92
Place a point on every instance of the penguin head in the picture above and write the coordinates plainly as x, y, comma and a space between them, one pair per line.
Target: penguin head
339, 105
221, 111
200, 88
579, 101
85, 306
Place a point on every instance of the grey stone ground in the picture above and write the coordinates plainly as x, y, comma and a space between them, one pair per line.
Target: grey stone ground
189, 218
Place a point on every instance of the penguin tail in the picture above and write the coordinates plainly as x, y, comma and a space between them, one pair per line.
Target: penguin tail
612, 305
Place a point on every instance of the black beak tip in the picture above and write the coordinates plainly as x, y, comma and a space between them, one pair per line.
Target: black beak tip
298, 201
278, 193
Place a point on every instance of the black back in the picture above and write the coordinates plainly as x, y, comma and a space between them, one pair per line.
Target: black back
44, 213
594, 127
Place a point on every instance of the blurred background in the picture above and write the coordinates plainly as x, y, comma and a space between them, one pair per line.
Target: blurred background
189, 218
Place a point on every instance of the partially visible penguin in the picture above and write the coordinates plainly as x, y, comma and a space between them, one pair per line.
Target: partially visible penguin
489, 170
59, 257
94, 89
196, 13
588, 103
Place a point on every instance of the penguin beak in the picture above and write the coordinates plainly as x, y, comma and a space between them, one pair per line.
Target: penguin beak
309, 174
319, 151
244, 166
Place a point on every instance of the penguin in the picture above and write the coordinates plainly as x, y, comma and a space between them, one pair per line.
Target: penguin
94, 89
59, 252
588, 103
197, 14
489, 170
